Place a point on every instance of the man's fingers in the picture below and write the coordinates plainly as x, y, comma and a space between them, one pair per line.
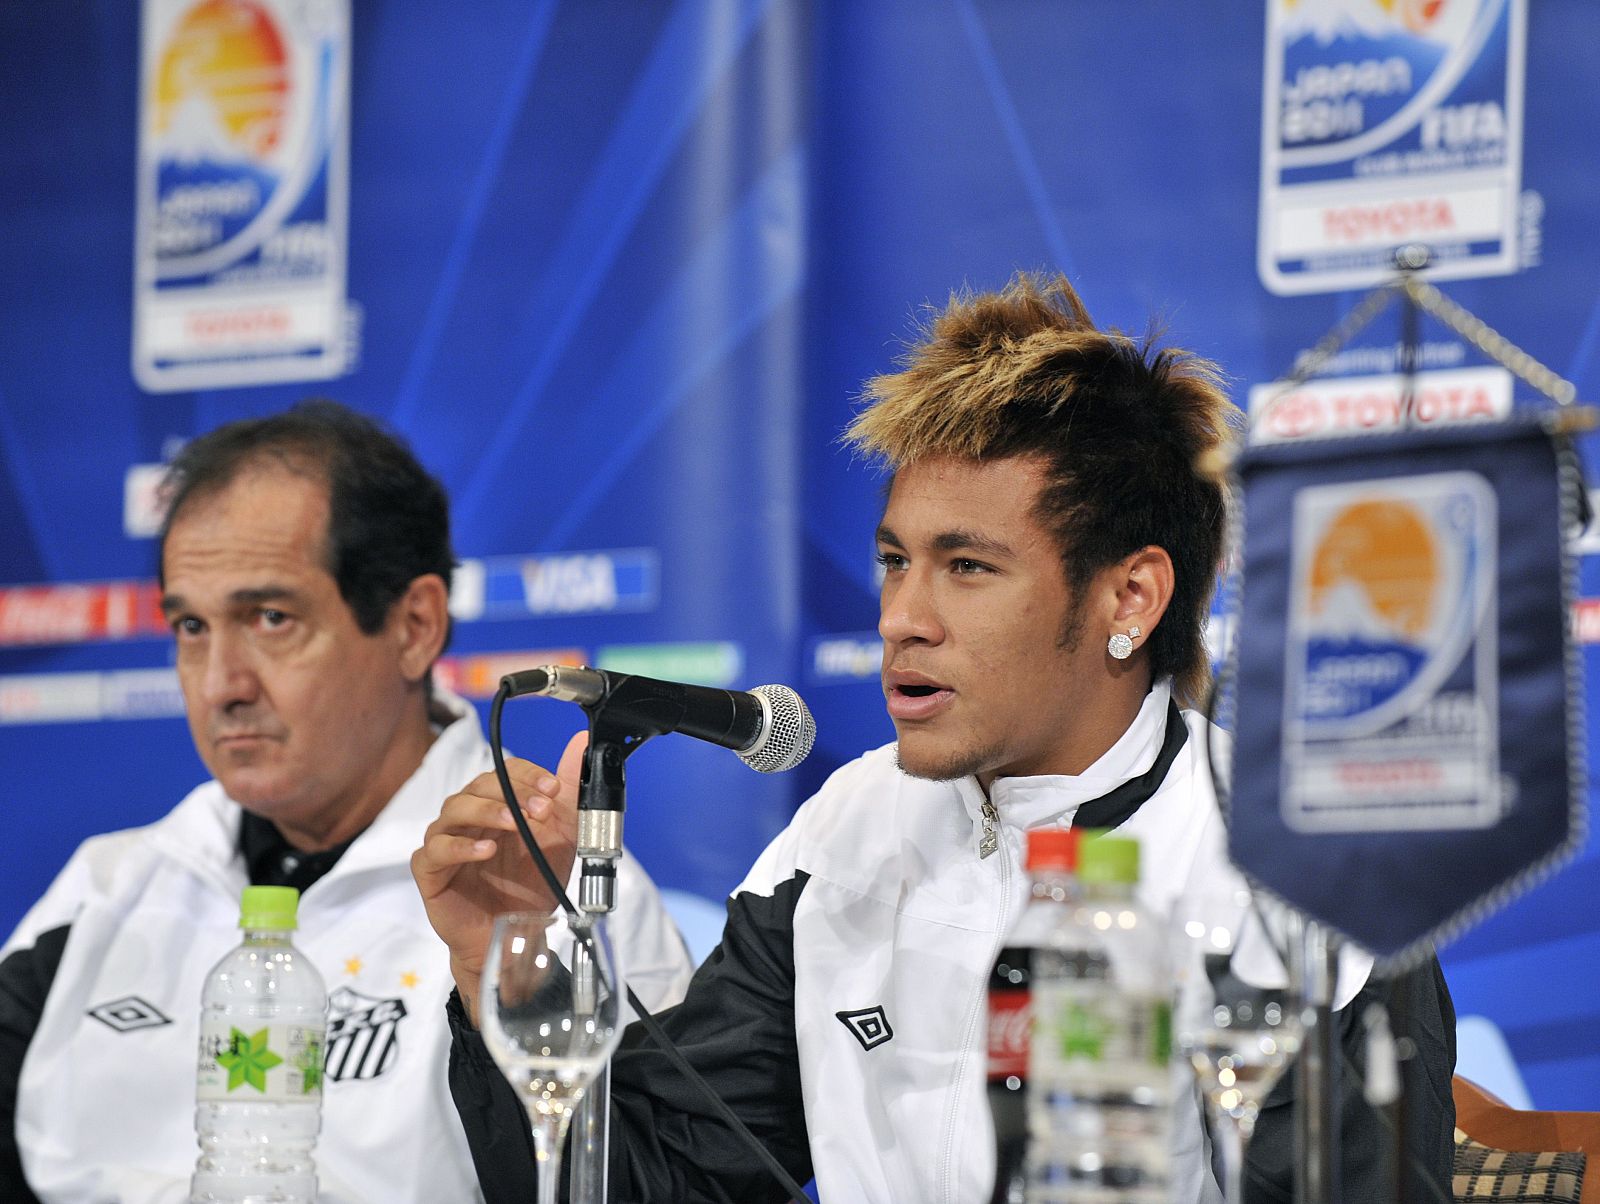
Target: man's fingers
561, 787
524, 775
442, 851
464, 811
435, 863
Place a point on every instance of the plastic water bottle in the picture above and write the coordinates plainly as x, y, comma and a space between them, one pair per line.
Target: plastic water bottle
1100, 1093
263, 1026
1051, 859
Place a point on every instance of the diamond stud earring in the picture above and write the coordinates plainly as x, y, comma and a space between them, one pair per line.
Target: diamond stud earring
1121, 646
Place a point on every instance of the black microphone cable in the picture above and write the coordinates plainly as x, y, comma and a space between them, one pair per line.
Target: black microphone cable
651, 1024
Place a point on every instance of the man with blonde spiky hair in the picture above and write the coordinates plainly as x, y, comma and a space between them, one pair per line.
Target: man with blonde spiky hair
1050, 543
1093, 442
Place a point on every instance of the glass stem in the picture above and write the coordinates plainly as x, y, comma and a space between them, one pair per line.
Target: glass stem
549, 1134
586, 1154
1231, 1137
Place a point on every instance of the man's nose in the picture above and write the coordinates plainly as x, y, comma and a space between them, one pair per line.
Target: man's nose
230, 675
907, 611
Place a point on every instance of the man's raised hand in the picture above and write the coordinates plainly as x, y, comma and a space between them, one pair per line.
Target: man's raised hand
472, 865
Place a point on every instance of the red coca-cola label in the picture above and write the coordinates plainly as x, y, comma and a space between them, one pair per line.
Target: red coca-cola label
1010, 1019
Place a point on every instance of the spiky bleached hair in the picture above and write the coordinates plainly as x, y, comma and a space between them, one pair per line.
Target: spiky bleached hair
1129, 431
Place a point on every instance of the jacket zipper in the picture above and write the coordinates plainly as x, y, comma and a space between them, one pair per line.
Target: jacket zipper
989, 844
990, 841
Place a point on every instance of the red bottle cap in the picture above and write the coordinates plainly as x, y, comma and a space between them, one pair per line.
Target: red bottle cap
1052, 849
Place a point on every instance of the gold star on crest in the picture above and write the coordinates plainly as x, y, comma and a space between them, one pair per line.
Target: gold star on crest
352, 966
408, 979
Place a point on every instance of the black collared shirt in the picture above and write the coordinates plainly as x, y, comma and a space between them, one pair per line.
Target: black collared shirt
270, 860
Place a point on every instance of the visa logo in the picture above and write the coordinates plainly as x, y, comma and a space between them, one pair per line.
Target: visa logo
565, 585
577, 583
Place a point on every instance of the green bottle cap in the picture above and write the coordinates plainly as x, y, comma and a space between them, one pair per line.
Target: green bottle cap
1108, 859
269, 907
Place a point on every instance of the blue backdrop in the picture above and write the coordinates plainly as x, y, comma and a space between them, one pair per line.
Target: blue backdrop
618, 271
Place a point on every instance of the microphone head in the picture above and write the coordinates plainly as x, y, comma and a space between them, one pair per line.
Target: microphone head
789, 732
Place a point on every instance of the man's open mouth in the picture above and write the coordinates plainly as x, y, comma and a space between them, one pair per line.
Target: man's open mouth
913, 696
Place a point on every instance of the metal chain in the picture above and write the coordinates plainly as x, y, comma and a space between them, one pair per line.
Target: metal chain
1490, 341
1308, 363
1471, 328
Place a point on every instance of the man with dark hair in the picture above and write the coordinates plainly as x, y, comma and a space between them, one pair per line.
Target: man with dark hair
1050, 542
305, 566
388, 520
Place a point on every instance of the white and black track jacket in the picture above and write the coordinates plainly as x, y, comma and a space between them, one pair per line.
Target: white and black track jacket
843, 1015
100, 996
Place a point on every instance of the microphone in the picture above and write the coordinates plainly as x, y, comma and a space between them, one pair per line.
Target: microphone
769, 727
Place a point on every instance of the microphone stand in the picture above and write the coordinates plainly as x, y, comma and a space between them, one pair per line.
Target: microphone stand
601, 800
1313, 969
590, 1129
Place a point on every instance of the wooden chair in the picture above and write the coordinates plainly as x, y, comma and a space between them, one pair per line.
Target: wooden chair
1491, 1122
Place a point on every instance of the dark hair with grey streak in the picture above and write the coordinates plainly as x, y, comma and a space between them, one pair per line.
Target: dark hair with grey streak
389, 520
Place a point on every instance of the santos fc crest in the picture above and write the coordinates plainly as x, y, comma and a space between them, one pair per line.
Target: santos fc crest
363, 1034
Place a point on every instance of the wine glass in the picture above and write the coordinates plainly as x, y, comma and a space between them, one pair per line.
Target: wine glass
551, 1015
1234, 1024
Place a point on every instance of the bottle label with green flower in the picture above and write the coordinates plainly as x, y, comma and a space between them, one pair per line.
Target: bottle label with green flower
259, 1062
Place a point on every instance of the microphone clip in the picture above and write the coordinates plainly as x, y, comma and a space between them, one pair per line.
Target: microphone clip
624, 714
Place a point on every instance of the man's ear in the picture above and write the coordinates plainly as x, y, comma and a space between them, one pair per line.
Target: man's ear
419, 621
1144, 584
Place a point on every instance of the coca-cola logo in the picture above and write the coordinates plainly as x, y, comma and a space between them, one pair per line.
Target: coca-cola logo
1010, 1023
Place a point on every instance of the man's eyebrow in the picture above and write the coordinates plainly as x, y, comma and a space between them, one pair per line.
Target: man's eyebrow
961, 540
958, 540
173, 603
263, 593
